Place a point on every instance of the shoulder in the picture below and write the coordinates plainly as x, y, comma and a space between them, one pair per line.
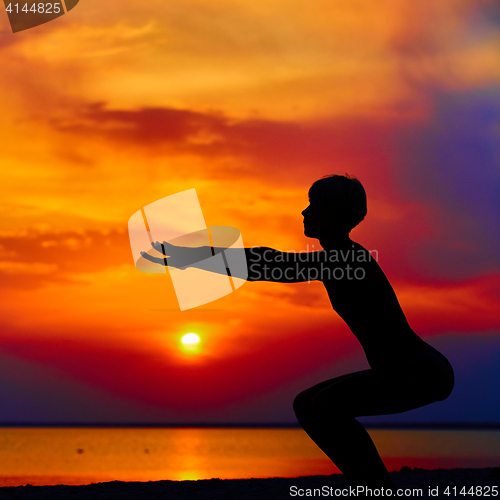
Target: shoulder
362, 254
361, 264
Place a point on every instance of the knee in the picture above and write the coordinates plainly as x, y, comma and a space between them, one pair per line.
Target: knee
324, 408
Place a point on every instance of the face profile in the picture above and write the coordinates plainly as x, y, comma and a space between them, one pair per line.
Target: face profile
337, 205
317, 220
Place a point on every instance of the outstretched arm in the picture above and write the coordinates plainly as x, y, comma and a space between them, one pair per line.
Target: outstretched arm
268, 264
264, 264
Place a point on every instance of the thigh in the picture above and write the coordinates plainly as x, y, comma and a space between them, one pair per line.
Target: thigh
370, 393
428, 372
417, 380
312, 391
303, 401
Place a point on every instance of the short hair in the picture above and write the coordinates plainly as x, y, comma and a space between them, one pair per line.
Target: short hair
343, 192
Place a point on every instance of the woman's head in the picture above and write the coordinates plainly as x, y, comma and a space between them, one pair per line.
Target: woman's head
339, 200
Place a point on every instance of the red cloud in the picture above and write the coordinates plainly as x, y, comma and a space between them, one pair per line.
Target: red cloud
154, 377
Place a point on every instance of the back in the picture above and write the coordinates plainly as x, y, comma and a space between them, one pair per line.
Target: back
361, 294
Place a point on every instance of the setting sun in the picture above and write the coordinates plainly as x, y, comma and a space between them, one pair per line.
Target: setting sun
190, 339
190, 342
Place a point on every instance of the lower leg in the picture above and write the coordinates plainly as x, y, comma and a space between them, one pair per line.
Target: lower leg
326, 412
349, 446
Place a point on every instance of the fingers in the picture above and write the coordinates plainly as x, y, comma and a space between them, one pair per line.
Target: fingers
159, 247
156, 260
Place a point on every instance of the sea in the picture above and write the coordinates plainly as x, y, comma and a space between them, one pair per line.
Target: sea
84, 455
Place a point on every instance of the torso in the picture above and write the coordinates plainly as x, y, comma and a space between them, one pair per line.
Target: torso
368, 304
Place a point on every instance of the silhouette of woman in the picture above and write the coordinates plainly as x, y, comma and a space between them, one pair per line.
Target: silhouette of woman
405, 372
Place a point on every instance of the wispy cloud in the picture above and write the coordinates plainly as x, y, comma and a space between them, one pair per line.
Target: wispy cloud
35, 259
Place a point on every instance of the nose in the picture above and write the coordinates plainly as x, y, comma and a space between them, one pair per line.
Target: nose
304, 211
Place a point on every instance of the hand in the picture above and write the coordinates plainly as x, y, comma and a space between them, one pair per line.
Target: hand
156, 260
177, 256
168, 249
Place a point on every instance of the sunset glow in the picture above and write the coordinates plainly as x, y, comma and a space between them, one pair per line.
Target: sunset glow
119, 104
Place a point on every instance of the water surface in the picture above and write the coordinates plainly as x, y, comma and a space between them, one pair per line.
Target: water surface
42, 456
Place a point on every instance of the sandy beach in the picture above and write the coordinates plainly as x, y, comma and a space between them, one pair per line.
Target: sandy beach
273, 488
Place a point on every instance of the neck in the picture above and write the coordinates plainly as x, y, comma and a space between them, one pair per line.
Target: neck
335, 240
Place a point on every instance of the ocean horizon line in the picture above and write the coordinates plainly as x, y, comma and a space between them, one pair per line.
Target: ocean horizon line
250, 425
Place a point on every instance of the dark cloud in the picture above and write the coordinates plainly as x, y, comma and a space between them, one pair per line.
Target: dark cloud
284, 144
147, 126
451, 163
488, 16
447, 163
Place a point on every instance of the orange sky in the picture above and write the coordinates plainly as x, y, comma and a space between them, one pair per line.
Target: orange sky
118, 104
